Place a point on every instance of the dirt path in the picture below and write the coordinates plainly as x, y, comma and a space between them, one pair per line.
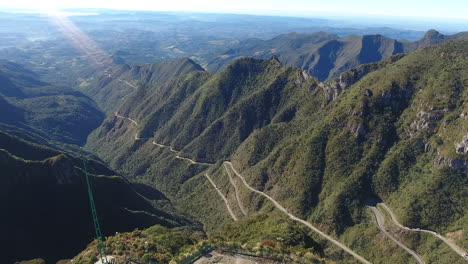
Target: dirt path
281, 208
381, 224
222, 196
454, 247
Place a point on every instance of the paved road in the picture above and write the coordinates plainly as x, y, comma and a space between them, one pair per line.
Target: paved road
179, 157
206, 175
133, 121
281, 208
129, 84
454, 247
239, 201
223, 197
381, 224
119, 116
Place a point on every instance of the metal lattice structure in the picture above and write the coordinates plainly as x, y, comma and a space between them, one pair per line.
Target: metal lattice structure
97, 228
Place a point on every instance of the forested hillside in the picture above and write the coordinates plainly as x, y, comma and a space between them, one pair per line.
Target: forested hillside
231, 138
59, 114
389, 132
45, 205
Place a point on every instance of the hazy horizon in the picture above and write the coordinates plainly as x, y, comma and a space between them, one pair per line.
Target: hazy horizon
449, 10
448, 16
338, 20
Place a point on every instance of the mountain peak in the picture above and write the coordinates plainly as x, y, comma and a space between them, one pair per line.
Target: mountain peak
275, 58
431, 37
192, 63
431, 34
160, 72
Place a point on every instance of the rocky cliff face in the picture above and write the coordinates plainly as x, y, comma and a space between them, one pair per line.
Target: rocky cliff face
456, 163
462, 146
326, 56
333, 88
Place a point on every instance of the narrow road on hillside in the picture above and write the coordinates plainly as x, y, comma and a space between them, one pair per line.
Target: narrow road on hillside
454, 247
138, 138
281, 208
233, 216
119, 116
239, 201
133, 121
381, 224
179, 157
192, 161
163, 146
129, 84
222, 196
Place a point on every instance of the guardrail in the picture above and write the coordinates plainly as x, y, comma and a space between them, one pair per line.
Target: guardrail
200, 252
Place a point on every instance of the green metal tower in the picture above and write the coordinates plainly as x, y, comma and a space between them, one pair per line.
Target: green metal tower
97, 228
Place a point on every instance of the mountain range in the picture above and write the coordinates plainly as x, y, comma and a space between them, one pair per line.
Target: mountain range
325, 56
388, 132
57, 113
283, 148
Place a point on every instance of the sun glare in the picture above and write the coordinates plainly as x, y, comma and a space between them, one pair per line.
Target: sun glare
88, 48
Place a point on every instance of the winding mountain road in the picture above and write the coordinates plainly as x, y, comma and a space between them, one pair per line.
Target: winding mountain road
129, 84
133, 121
379, 217
223, 197
139, 138
239, 201
381, 224
179, 157
281, 208
454, 247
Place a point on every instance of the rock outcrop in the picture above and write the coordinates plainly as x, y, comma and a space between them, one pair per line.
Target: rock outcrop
462, 147
333, 88
455, 163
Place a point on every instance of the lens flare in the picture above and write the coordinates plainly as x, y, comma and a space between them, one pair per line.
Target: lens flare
98, 58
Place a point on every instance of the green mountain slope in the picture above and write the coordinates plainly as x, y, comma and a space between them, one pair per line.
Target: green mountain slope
108, 90
60, 114
272, 238
45, 207
326, 56
391, 131
220, 103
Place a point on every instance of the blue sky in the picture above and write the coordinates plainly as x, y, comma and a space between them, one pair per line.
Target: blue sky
431, 9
